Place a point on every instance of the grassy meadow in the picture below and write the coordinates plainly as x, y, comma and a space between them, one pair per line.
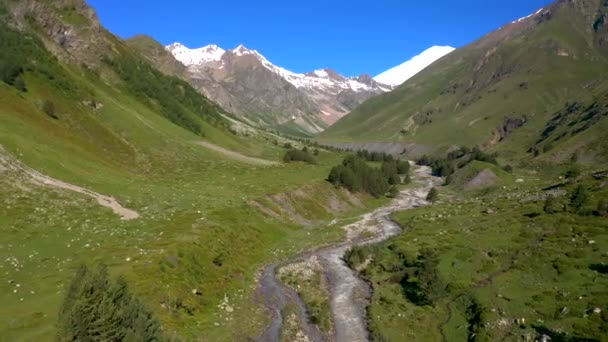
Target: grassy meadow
493, 265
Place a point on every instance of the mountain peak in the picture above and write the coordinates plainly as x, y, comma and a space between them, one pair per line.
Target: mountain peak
365, 79
205, 54
405, 71
243, 50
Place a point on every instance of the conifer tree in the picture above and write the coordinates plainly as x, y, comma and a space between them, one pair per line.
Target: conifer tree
433, 195
96, 308
578, 198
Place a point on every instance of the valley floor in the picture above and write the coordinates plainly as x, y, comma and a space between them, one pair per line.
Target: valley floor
337, 302
204, 231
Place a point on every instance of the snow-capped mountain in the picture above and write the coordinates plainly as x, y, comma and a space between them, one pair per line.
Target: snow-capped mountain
206, 54
245, 82
403, 72
322, 79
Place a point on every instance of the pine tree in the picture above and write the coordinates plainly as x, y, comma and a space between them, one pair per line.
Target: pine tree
349, 179
433, 195
579, 198
98, 309
403, 167
334, 174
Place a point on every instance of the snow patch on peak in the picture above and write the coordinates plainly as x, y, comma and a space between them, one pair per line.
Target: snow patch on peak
205, 54
528, 16
242, 50
321, 73
403, 72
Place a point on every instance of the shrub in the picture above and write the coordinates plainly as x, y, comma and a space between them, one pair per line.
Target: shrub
315, 152
573, 172
602, 207
297, 155
393, 192
287, 145
49, 108
551, 205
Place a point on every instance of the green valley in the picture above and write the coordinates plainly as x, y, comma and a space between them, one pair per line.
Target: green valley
144, 198
207, 220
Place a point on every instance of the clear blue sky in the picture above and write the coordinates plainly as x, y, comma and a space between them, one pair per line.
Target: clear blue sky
350, 36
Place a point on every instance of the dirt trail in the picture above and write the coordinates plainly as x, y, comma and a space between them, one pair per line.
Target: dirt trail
9, 163
235, 155
349, 293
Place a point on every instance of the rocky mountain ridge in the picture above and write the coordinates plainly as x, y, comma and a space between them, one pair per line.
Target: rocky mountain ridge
245, 82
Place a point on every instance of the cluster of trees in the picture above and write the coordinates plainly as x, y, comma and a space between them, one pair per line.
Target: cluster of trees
422, 283
21, 52
457, 159
374, 156
178, 101
357, 175
97, 308
13, 57
418, 275
299, 155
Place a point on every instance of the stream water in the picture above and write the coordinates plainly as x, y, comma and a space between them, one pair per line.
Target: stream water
349, 293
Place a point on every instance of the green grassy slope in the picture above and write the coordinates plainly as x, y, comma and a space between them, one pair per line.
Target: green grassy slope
121, 128
526, 70
158, 56
492, 267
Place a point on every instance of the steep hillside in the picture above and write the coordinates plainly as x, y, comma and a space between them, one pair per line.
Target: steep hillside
503, 91
157, 55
